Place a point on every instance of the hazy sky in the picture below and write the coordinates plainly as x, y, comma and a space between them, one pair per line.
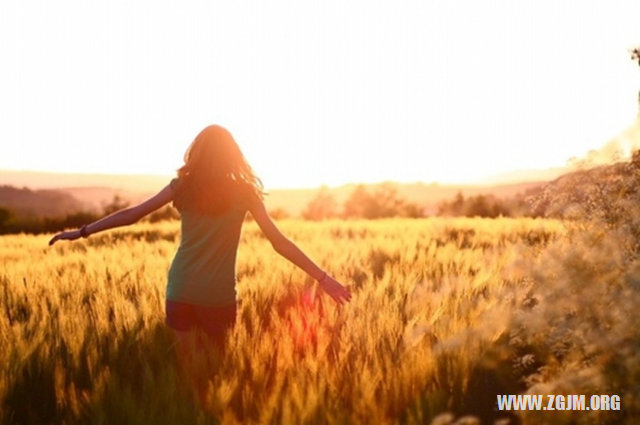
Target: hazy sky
316, 92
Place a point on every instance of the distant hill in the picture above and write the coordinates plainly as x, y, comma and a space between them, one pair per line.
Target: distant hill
85, 192
61, 202
96, 197
77, 192
48, 180
580, 188
38, 203
61, 193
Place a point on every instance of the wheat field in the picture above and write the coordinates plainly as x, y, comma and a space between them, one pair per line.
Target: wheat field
446, 313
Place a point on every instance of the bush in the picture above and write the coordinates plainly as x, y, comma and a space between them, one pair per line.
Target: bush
475, 206
384, 202
582, 291
322, 206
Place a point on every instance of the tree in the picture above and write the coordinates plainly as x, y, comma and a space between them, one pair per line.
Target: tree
635, 56
384, 202
412, 210
279, 214
356, 204
485, 206
458, 203
5, 216
475, 206
321, 207
453, 208
116, 204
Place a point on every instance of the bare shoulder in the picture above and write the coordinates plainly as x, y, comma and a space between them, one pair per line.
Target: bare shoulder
255, 204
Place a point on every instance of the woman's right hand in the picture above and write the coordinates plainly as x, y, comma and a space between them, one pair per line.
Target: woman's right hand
69, 236
335, 289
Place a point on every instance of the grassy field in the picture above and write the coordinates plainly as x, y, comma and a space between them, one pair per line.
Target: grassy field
446, 314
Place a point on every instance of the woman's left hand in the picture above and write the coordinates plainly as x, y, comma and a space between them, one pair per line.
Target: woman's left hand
70, 236
335, 289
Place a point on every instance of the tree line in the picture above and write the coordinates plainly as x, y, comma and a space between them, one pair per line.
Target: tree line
384, 201
380, 201
11, 222
488, 206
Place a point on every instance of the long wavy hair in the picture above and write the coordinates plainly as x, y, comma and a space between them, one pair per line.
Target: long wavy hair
215, 174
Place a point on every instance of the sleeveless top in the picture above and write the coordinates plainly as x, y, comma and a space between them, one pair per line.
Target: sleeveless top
203, 269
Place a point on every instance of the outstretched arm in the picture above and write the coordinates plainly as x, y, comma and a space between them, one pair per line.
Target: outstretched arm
123, 217
291, 252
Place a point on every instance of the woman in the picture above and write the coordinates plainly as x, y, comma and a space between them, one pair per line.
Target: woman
213, 191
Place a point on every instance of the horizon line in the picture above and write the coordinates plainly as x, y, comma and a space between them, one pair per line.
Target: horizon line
494, 180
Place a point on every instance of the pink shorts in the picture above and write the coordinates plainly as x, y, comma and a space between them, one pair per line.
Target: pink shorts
215, 321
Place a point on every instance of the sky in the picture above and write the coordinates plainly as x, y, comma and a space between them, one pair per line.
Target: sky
316, 92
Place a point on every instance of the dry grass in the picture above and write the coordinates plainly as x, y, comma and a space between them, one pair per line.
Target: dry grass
446, 313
